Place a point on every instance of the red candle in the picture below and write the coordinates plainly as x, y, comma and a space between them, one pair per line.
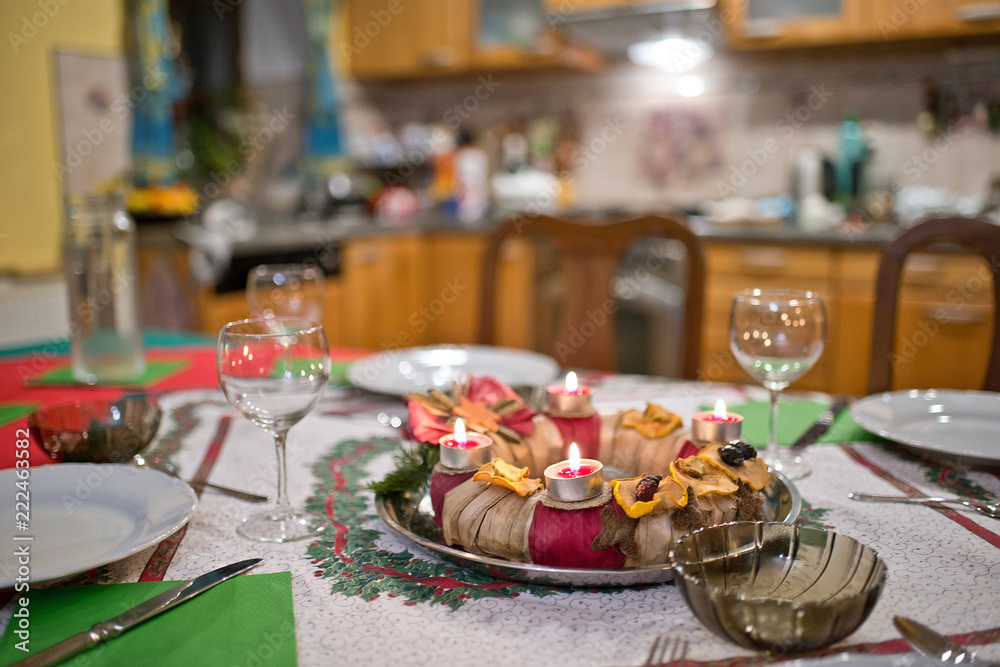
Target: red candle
570, 473
571, 398
574, 479
460, 450
717, 426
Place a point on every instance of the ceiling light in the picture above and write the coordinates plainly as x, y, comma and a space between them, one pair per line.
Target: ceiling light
690, 86
674, 54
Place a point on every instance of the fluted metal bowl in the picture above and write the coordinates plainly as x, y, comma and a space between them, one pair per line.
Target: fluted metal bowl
97, 431
777, 587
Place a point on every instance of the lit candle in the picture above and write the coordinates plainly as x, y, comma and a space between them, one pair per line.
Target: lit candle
461, 450
571, 398
574, 479
717, 426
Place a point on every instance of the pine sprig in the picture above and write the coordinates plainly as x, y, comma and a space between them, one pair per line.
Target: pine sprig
412, 473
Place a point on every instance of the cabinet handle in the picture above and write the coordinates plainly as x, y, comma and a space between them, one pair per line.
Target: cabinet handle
762, 259
979, 11
954, 315
763, 29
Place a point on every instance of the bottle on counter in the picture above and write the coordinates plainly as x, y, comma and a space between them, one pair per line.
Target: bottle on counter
471, 180
100, 260
854, 150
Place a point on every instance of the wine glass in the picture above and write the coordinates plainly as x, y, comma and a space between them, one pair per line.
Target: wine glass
286, 290
274, 371
777, 336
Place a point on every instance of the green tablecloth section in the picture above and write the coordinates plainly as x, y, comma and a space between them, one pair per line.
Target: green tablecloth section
794, 418
10, 412
155, 371
247, 620
149, 339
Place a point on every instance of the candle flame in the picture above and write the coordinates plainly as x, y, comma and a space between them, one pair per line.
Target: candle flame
460, 436
571, 382
720, 409
574, 457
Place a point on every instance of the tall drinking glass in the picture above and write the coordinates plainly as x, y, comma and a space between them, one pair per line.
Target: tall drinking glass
777, 336
286, 290
274, 371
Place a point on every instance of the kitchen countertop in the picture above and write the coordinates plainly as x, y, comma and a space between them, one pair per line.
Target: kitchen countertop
289, 234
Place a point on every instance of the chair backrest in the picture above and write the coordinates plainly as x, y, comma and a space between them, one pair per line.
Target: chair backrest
979, 237
590, 255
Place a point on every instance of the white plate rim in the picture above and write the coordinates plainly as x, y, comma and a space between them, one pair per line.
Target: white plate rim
881, 428
358, 371
181, 498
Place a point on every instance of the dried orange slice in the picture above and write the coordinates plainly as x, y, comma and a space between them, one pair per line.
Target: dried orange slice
669, 495
503, 474
702, 477
654, 422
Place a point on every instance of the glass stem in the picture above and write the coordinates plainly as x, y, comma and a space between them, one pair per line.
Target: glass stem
279, 447
771, 454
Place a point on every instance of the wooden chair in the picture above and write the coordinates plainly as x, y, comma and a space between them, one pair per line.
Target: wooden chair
978, 237
590, 255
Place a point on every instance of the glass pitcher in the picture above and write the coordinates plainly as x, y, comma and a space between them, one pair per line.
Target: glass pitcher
100, 256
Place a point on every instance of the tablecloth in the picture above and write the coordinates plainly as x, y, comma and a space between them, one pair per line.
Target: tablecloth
364, 594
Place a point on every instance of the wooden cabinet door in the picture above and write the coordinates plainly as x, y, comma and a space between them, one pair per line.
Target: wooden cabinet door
762, 24
893, 19
383, 286
400, 38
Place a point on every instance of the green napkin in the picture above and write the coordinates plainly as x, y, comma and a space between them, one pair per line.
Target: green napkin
794, 418
13, 411
247, 620
155, 371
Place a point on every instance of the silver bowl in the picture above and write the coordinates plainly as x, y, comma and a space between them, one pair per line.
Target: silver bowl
777, 587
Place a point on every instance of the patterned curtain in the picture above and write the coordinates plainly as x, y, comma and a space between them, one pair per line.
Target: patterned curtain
153, 92
322, 151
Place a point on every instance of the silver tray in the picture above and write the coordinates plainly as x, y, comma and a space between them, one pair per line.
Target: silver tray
412, 518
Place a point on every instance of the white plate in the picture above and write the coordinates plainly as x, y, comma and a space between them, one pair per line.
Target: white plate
83, 515
859, 660
956, 426
398, 372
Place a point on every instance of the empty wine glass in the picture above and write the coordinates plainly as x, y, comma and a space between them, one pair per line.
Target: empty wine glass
777, 336
274, 371
286, 290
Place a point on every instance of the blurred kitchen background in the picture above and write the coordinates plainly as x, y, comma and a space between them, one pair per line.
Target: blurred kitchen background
802, 117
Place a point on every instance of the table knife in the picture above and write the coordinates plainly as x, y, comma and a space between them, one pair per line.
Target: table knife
822, 424
111, 628
935, 645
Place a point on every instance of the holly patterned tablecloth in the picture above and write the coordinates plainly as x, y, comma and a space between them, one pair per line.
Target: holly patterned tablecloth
366, 595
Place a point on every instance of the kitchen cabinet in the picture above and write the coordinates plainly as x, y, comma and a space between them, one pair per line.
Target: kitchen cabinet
892, 19
760, 24
409, 288
396, 39
393, 38
215, 310
944, 326
384, 285
763, 24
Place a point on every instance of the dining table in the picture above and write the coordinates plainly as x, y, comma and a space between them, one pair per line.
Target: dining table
363, 593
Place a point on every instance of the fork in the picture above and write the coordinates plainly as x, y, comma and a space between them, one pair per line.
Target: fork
677, 646
991, 511
142, 462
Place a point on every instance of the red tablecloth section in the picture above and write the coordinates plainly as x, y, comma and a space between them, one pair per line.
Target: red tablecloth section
198, 372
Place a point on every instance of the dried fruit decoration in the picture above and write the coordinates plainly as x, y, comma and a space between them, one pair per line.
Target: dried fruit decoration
646, 488
736, 452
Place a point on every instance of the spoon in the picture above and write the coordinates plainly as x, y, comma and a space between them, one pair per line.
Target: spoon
991, 511
142, 462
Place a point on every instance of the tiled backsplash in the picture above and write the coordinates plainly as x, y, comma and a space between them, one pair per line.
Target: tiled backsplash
642, 144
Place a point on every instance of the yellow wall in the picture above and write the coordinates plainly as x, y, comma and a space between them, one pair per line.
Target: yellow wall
30, 199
